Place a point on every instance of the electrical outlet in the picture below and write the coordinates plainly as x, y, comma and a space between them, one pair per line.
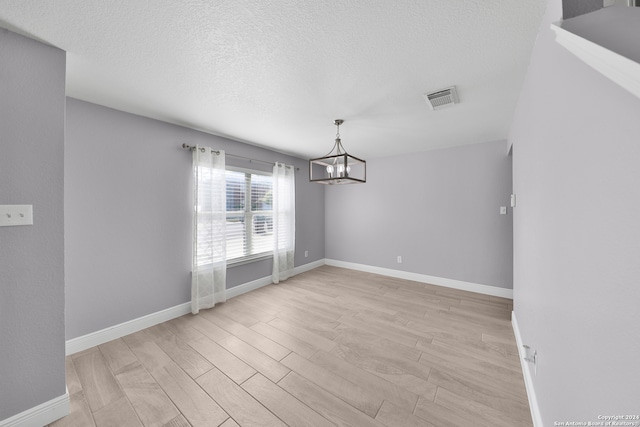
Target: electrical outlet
399, 259
306, 254
16, 215
532, 357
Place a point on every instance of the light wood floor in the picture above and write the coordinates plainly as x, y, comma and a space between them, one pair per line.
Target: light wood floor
327, 347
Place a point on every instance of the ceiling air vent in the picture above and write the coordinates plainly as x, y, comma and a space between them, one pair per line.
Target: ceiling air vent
442, 98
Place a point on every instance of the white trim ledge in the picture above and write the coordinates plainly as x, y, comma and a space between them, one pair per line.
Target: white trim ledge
102, 336
621, 70
248, 287
40, 415
528, 381
309, 266
264, 281
423, 278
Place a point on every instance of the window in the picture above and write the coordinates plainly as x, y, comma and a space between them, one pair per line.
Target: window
249, 215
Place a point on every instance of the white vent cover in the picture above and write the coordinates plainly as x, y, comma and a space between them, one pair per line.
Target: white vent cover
442, 98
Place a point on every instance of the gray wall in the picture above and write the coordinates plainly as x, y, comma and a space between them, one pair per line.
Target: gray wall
571, 8
32, 78
128, 215
439, 210
577, 234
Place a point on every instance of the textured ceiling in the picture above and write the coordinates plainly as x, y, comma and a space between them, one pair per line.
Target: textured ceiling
275, 73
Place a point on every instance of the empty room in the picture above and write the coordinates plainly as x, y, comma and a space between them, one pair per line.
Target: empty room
319, 213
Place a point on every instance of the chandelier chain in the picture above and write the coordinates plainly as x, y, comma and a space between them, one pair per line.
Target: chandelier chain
337, 146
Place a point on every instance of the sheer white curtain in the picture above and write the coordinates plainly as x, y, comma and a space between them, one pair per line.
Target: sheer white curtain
284, 221
209, 269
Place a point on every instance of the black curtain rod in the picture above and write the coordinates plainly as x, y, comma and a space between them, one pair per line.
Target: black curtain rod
191, 148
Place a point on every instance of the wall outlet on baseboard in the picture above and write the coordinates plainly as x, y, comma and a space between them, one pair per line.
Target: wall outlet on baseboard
399, 259
531, 356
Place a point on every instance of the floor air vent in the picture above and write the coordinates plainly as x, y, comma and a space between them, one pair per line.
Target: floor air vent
442, 98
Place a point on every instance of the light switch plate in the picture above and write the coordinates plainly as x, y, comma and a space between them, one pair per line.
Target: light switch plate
503, 210
16, 215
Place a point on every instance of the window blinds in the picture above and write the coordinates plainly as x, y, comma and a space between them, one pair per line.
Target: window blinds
249, 214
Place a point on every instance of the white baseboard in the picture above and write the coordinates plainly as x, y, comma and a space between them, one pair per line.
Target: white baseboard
111, 333
264, 281
248, 287
528, 381
102, 336
108, 334
40, 415
423, 278
308, 267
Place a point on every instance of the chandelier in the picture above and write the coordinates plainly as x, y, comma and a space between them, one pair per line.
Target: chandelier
338, 167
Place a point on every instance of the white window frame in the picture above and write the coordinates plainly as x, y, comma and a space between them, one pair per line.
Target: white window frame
248, 218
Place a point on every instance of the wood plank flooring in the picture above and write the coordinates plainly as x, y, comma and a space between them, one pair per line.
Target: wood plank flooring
330, 347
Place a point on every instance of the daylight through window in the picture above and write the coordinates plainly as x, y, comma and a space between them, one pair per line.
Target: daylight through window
249, 215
